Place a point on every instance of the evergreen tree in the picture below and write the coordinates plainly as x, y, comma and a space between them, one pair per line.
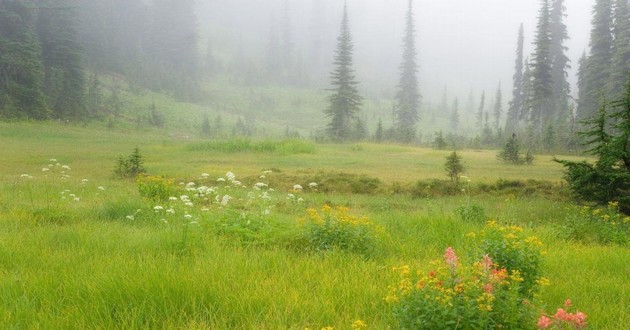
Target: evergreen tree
526, 112
21, 72
597, 67
455, 116
64, 78
542, 80
408, 97
454, 166
481, 110
379, 133
511, 151
498, 109
516, 105
621, 48
345, 101
559, 60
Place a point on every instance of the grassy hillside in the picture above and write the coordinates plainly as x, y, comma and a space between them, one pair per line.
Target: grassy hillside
91, 250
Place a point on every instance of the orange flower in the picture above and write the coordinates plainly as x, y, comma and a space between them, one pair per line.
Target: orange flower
544, 322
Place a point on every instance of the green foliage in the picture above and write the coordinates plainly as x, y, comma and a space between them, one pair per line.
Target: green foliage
457, 295
335, 228
156, 188
439, 142
454, 167
608, 136
131, 166
472, 213
510, 248
597, 225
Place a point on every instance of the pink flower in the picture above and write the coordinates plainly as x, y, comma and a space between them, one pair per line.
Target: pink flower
487, 263
450, 257
488, 288
561, 314
567, 303
544, 322
579, 320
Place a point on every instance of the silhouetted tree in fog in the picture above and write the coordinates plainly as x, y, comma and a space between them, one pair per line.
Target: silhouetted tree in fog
621, 48
345, 101
541, 101
408, 96
516, 105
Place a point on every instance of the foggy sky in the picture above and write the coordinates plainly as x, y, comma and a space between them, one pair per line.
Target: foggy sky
463, 44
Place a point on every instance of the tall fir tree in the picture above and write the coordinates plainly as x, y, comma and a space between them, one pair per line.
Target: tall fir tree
408, 97
62, 54
524, 116
621, 49
597, 67
481, 110
455, 116
559, 61
517, 102
541, 101
345, 101
498, 109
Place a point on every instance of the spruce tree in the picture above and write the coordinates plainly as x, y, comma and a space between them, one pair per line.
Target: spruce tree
621, 48
345, 101
542, 80
559, 60
511, 151
454, 166
408, 96
517, 102
481, 110
379, 132
498, 109
597, 67
455, 116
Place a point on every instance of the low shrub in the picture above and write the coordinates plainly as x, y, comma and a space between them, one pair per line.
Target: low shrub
471, 213
335, 228
510, 248
156, 188
458, 295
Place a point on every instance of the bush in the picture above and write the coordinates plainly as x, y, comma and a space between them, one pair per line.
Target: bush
455, 295
510, 248
471, 213
156, 188
335, 228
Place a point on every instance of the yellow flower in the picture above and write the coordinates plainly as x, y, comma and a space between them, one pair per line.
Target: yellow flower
543, 281
359, 324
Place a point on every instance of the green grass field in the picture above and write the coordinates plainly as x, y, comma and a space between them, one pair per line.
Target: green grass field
89, 251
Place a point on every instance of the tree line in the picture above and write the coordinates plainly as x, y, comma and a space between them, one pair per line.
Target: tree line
49, 47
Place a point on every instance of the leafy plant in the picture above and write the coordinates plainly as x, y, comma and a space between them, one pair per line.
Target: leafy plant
156, 188
510, 248
471, 213
598, 225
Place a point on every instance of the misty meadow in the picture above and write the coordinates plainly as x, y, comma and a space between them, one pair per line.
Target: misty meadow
359, 164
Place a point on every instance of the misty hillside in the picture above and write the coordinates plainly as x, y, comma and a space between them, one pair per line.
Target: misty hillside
269, 68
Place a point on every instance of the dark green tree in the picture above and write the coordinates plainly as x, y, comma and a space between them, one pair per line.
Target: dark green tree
408, 97
516, 104
64, 78
608, 178
621, 48
454, 166
21, 72
596, 74
439, 142
541, 101
345, 101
